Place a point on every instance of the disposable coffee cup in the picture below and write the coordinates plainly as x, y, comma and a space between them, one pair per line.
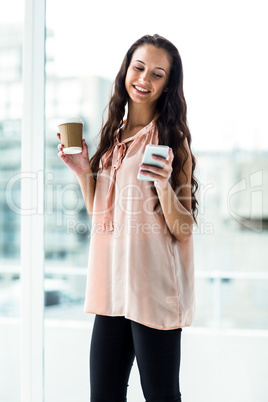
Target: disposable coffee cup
71, 134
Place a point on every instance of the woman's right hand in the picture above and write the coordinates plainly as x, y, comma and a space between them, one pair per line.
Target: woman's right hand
78, 163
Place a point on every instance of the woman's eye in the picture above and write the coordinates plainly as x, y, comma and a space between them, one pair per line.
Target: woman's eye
154, 74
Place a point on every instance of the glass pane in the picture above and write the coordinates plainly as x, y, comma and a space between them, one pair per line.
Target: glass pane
11, 44
67, 224
10, 289
10, 136
232, 303
233, 211
245, 304
205, 314
64, 297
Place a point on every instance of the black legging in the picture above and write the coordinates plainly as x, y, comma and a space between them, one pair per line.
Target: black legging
114, 344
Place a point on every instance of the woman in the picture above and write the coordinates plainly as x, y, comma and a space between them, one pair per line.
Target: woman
140, 280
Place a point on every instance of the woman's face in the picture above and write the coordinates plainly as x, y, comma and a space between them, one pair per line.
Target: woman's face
148, 74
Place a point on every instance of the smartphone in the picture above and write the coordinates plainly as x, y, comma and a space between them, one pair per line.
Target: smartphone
159, 150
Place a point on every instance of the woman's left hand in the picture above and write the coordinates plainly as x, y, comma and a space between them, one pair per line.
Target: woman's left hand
160, 175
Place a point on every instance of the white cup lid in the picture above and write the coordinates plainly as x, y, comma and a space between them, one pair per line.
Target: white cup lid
71, 120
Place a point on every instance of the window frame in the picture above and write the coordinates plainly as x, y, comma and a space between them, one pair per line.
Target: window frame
32, 203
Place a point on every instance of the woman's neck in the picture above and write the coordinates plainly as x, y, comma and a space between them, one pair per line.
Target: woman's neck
139, 115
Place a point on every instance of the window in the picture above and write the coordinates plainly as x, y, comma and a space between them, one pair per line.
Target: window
10, 192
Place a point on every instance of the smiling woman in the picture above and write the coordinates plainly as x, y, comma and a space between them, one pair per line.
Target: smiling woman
145, 76
155, 239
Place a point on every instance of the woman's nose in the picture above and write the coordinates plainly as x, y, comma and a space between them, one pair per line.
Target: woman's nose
144, 77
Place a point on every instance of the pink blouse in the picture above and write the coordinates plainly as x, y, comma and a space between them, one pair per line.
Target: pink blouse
137, 269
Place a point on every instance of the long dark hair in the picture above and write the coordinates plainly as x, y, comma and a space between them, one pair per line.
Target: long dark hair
171, 110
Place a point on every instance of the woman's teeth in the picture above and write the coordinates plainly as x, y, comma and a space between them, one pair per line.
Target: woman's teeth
141, 89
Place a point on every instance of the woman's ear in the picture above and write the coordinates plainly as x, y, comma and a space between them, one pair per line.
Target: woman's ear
165, 90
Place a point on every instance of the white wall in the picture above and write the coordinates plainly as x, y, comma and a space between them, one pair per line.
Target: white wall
216, 366
9, 360
224, 366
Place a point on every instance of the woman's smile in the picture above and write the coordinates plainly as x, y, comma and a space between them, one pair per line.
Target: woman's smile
141, 90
